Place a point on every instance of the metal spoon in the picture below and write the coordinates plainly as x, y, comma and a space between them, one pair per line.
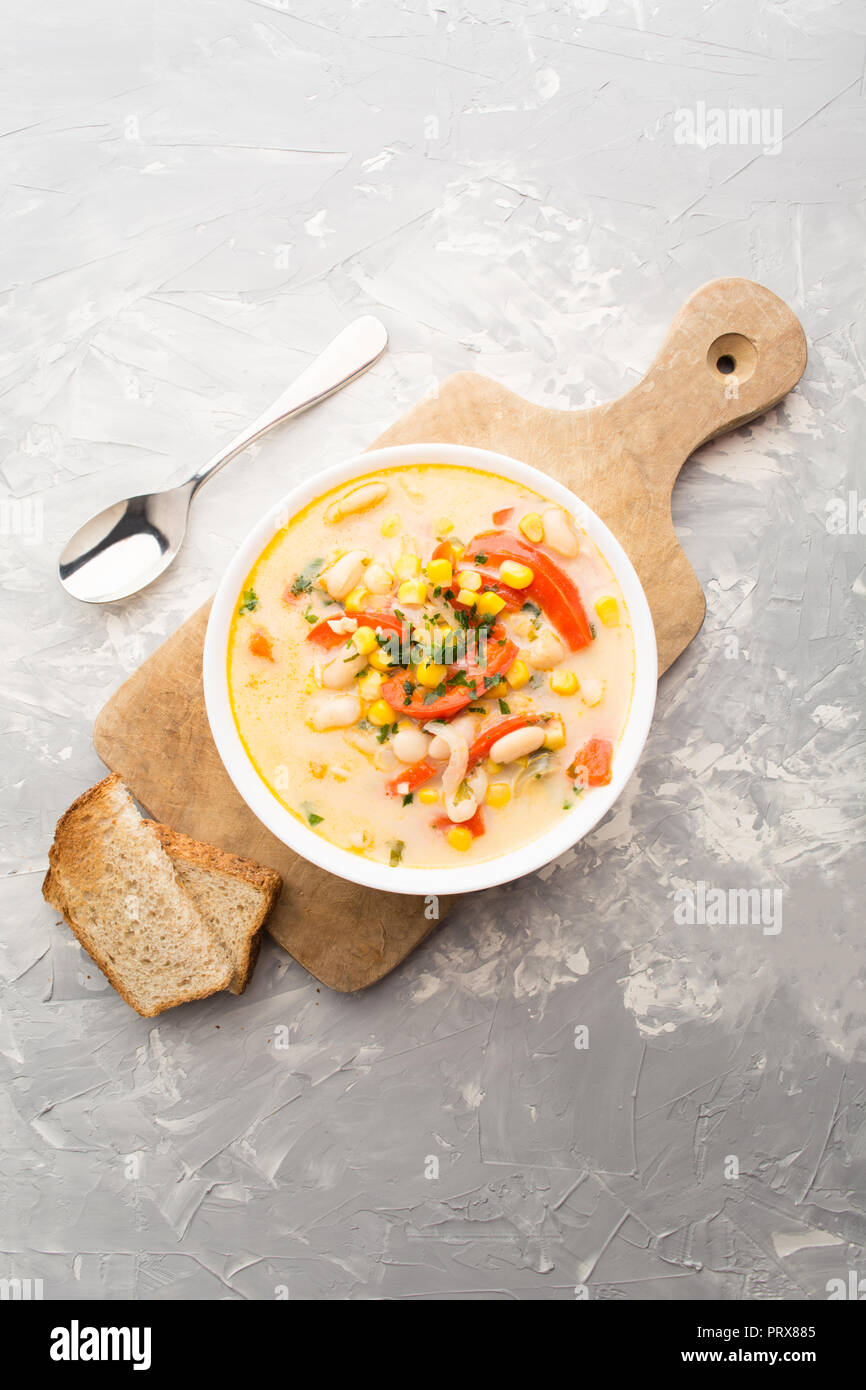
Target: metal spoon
128, 545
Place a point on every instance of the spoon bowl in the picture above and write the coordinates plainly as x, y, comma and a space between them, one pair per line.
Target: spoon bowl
125, 547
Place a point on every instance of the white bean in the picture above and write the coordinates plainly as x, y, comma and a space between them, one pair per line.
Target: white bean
517, 744
342, 576
340, 673
545, 652
559, 532
336, 711
358, 499
410, 745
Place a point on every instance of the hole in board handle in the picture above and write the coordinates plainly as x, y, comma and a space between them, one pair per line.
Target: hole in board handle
732, 358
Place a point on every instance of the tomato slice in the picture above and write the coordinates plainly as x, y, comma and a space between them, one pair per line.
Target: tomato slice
593, 761
410, 779
324, 635
553, 590
475, 823
501, 653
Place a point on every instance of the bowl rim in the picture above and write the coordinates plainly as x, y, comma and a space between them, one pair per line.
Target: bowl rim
463, 878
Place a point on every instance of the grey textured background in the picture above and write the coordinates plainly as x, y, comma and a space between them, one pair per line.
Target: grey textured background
194, 199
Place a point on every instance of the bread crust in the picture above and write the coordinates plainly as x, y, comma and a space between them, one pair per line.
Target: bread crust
72, 841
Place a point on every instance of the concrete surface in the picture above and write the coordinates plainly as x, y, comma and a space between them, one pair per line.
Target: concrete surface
195, 199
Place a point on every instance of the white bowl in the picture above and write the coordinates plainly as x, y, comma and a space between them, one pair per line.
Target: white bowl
465, 878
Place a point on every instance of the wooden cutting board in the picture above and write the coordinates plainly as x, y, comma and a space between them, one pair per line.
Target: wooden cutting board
732, 351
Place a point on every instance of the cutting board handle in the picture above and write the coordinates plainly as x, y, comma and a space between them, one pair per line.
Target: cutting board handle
733, 350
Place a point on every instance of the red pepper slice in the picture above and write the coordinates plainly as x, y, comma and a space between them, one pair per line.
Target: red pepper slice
410, 779
475, 823
453, 701
325, 636
593, 762
261, 645
552, 588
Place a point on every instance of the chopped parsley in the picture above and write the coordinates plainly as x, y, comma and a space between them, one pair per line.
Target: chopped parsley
249, 601
408, 689
503, 707
436, 694
408, 798
530, 607
480, 559
303, 582
314, 819
397, 848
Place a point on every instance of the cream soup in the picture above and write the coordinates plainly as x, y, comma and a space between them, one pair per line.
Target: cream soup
431, 664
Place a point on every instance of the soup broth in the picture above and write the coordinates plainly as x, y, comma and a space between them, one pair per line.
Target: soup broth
431, 664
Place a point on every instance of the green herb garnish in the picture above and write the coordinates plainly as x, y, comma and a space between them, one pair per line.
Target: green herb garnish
408, 798
314, 819
397, 848
249, 601
303, 582
479, 559
310, 616
503, 707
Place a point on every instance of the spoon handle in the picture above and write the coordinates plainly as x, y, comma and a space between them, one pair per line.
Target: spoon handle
346, 357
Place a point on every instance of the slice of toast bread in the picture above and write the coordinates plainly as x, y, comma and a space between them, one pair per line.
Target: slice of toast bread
233, 896
117, 889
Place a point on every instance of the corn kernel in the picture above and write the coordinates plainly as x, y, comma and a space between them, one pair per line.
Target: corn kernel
489, 604
412, 592
370, 684
492, 767
515, 575
444, 526
608, 610
459, 837
564, 682
532, 527
440, 572
364, 640
554, 734
428, 796
407, 566
430, 674
357, 599
498, 794
466, 597
500, 690
457, 549
380, 713
518, 675
380, 661
317, 770
470, 579
390, 526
